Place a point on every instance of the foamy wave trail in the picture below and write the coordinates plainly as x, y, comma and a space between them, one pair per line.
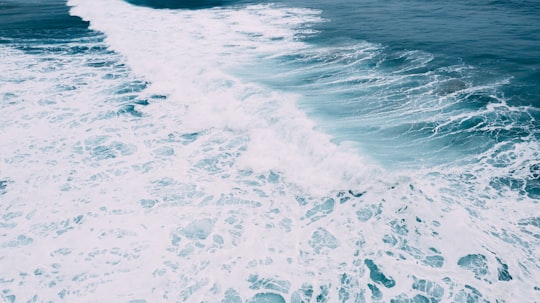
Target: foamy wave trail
182, 156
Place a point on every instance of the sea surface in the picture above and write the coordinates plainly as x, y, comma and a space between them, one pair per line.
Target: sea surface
270, 151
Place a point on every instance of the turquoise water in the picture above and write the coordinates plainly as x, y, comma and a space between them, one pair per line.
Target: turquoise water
256, 151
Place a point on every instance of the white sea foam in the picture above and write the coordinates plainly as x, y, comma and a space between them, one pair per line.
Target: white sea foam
221, 189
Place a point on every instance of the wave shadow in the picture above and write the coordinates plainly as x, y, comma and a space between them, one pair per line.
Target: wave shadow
181, 4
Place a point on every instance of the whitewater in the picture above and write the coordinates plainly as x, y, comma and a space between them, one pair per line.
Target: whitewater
170, 156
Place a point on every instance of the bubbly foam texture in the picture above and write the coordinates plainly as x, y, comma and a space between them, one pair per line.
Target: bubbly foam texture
141, 168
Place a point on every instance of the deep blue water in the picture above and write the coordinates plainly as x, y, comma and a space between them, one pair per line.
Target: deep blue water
490, 45
498, 37
269, 151
27, 19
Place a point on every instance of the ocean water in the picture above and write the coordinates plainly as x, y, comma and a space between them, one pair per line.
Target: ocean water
258, 151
